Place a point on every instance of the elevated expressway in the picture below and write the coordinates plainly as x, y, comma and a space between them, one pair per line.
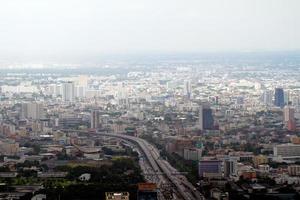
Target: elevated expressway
164, 172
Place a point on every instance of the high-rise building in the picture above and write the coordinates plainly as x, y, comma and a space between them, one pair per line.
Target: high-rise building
54, 90
230, 167
288, 113
68, 93
289, 118
80, 91
206, 120
286, 97
95, 119
279, 97
187, 89
32, 110
267, 97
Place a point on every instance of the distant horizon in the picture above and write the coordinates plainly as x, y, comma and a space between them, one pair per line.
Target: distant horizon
77, 59
127, 61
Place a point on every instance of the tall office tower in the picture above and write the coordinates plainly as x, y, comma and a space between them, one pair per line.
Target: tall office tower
230, 167
68, 91
288, 113
187, 89
32, 110
122, 94
267, 97
206, 120
279, 97
289, 118
95, 119
286, 97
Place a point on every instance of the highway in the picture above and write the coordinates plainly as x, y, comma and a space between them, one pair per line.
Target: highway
165, 173
186, 190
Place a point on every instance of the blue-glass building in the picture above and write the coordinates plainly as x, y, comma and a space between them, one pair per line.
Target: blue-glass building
279, 97
208, 119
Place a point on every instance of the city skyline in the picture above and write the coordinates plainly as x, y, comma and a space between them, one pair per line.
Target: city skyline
150, 100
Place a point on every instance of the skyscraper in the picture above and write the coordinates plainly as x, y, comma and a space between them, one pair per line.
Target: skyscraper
206, 120
286, 97
230, 167
279, 97
68, 92
95, 119
187, 89
289, 118
288, 113
267, 97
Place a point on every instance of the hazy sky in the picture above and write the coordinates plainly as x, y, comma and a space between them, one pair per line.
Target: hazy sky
83, 27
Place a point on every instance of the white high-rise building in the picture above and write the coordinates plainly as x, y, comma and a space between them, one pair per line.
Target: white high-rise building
68, 93
230, 167
267, 97
80, 91
286, 97
54, 90
187, 89
33, 110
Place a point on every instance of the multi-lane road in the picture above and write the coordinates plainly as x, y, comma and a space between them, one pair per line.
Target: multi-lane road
164, 172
